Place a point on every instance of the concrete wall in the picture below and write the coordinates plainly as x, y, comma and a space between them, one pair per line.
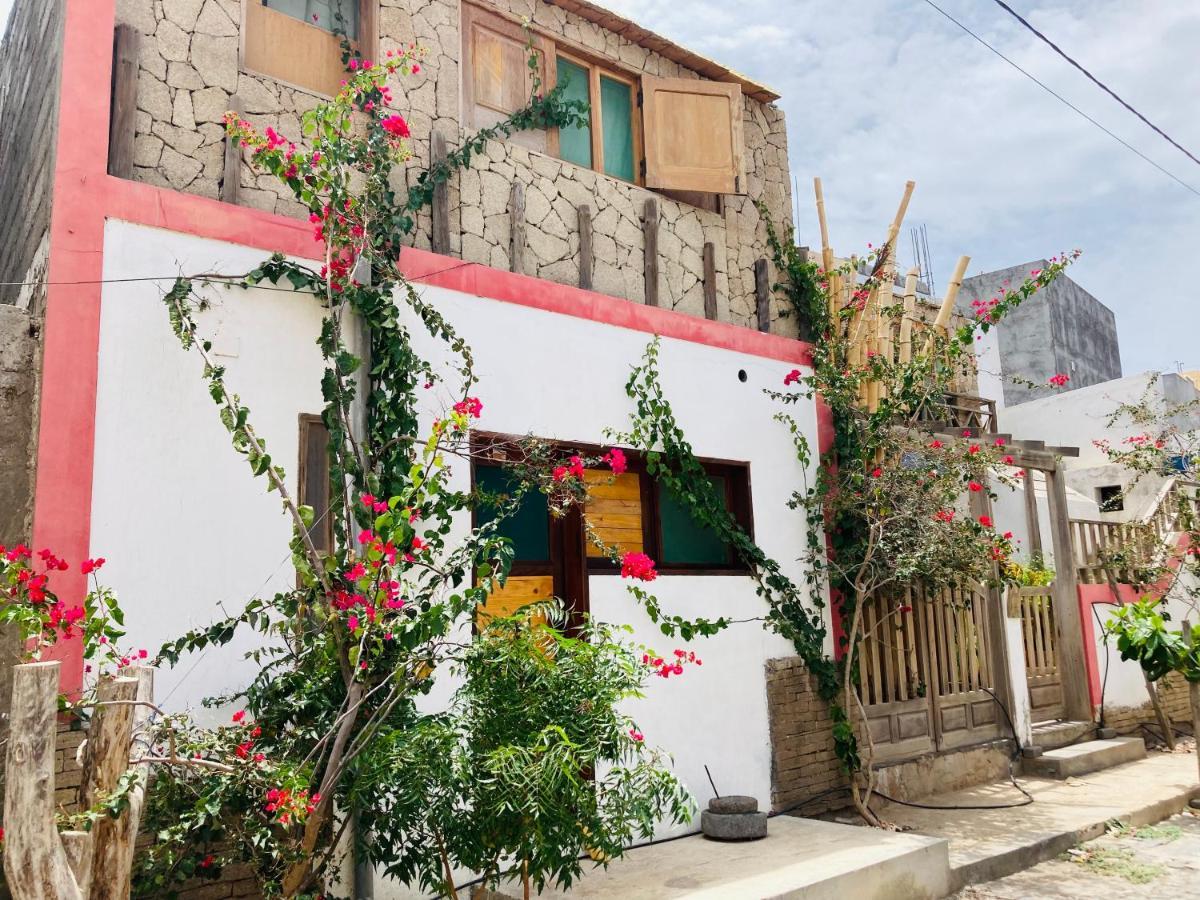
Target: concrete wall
194, 508
189, 69
1062, 328
1079, 417
30, 60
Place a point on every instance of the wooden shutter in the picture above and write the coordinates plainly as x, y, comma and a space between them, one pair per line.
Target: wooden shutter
295, 52
497, 79
693, 135
314, 479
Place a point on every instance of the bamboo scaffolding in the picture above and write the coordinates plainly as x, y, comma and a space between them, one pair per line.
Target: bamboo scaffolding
910, 312
832, 280
943, 317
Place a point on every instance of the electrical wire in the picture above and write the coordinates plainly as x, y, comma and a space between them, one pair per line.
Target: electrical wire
1096, 81
1065, 101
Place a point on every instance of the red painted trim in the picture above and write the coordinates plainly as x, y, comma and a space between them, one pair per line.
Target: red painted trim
85, 196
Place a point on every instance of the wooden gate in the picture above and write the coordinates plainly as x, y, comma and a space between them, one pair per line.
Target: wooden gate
924, 665
1035, 606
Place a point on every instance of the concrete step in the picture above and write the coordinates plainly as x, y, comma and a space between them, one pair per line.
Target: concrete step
1062, 733
1081, 759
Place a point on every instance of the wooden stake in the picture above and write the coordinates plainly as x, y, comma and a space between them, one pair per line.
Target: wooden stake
439, 240
35, 864
231, 173
123, 117
516, 228
650, 250
585, 246
943, 317
910, 311
78, 847
107, 758
125, 829
710, 280
762, 294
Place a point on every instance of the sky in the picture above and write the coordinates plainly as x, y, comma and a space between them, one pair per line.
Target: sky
877, 92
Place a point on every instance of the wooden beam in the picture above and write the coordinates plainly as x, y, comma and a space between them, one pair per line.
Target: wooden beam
1032, 520
439, 240
585, 246
122, 122
710, 280
107, 758
762, 293
36, 866
516, 228
1077, 701
231, 172
650, 250
980, 504
947, 309
910, 311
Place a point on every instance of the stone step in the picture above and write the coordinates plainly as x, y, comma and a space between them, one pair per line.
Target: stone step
1062, 733
1090, 756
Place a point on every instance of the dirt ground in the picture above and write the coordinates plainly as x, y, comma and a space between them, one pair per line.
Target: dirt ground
1156, 861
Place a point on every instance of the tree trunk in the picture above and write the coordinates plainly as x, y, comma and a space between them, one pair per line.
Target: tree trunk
35, 863
106, 760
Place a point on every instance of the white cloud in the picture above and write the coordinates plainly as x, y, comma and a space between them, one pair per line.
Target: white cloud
880, 91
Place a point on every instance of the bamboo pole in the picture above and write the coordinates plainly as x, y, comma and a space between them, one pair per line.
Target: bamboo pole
910, 311
106, 760
826, 251
36, 865
943, 316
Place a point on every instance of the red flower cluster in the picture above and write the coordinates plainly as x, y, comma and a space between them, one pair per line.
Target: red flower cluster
373, 504
286, 805
667, 668
573, 469
470, 407
395, 126
985, 521
944, 515
1060, 380
639, 566
615, 458
791, 377
975, 486
985, 309
88, 566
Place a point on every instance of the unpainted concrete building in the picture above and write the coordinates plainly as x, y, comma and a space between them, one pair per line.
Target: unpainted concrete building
1060, 329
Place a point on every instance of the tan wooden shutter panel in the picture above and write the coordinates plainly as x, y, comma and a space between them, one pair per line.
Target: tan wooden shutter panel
693, 134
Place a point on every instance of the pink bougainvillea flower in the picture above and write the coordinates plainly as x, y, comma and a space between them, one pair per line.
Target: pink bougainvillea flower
615, 458
88, 566
355, 572
975, 486
935, 445
944, 515
365, 537
639, 566
395, 126
791, 377
876, 472
985, 521
239, 715
470, 407
637, 736
973, 449
1060, 379
352, 623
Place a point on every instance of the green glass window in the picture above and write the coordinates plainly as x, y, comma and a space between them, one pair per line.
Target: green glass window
529, 527
685, 540
575, 144
616, 112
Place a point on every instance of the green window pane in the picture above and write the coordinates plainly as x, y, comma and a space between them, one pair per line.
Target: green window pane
529, 527
686, 540
616, 113
575, 144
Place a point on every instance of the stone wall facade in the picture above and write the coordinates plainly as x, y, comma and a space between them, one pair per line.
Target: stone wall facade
30, 61
1172, 693
19, 363
189, 70
805, 772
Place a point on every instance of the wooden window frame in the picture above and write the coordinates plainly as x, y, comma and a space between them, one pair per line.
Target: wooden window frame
366, 44
738, 501
595, 69
322, 538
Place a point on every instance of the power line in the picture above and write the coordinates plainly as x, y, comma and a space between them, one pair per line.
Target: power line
1065, 101
1100, 84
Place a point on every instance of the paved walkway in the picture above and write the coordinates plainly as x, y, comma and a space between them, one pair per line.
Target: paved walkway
989, 844
1148, 863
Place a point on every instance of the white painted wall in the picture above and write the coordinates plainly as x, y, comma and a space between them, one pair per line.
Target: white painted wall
185, 528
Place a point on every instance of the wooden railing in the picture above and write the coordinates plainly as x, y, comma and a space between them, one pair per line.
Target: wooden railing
1035, 608
1129, 549
962, 411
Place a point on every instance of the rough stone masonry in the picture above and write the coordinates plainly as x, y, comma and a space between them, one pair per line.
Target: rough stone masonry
189, 69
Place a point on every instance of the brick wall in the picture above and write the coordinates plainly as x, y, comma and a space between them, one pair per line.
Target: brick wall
30, 59
803, 764
1172, 693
